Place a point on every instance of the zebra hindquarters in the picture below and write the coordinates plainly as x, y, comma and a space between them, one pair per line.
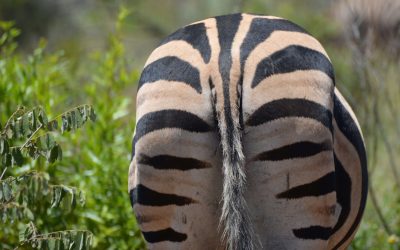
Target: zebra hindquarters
351, 173
290, 167
174, 179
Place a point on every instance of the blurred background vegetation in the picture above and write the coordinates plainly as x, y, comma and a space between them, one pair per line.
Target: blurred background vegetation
67, 52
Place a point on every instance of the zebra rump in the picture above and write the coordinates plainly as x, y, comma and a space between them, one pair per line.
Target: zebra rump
242, 141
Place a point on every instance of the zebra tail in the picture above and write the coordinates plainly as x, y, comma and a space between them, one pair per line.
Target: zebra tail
237, 231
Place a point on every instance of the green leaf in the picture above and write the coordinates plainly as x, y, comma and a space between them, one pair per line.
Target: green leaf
66, 241
78, 118
43, 117
25, 125
33, 150
82, 198
60, 154
1, 193
45, 186
73, 120
85, 113
4, 147
28, 214
33, 190
92, 115
79, 240
32, 120
7, 160
65, 124
7, 192
9, 132
15, 130
58, 194
53, 155
18, 159
51, 244
47, 142
52, 125
70, 124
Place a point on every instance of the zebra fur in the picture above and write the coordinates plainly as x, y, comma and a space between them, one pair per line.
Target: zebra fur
243, 141
238, 233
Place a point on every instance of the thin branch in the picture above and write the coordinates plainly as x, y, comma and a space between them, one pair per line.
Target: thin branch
4, 171
32, 135
21, 108
378, 210
69, 110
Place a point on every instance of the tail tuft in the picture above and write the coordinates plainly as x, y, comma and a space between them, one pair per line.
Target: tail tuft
235, 219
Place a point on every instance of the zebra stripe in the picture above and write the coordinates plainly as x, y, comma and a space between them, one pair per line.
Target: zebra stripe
322, 186
313, 233
195, 35
163, 69
291, 59
168, 119
172, 162
343, 183
145, 196
260, 30
350, 129
168, 234
255, 97
295, 150
284, 108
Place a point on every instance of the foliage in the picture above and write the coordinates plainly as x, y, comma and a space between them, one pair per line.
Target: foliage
26, 195
21, 195
96, 159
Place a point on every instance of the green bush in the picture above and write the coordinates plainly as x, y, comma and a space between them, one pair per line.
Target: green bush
95, 158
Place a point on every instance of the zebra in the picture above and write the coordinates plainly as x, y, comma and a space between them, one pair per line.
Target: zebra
242, 141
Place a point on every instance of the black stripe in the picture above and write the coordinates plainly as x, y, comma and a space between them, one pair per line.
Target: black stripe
260, 30
350, 130
145, 196
296, 150
313, 233
343, 193
171, 68
172, 162
195, 35
291, 108
168, 234
168, 118
227, 27
321, 186
290, 59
